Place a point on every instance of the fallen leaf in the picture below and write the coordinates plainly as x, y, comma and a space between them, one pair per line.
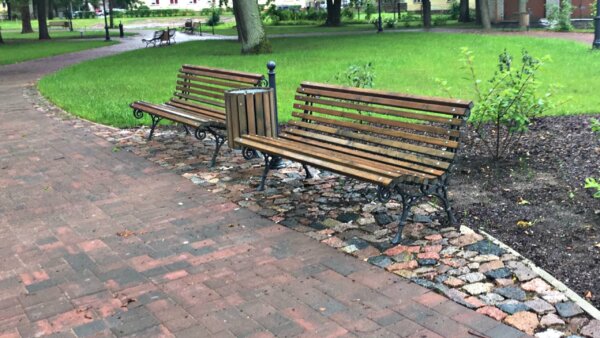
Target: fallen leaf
597, 245
522, 201
588, 295
524, 223
125, 233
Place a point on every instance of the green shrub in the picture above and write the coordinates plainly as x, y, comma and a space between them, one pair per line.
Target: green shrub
348, 13
454, 10
507, 104
361, 76
560, 17
440, 20
592, 183
390, 23
214, 18
370, 9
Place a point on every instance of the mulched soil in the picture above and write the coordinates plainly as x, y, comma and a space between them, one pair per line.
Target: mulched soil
542, 184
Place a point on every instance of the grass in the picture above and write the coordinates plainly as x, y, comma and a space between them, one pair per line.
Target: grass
404, 62
14, 51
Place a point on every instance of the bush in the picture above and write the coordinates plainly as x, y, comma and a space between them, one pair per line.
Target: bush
454, 10
390, 23
506, 106
440, 20
369, 10
357, 76
348, 13
560, 17
214, 18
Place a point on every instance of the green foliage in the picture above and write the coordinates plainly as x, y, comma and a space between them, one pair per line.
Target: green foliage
390, 23
454, 10
591, 183
595, 125
560, 17
361, 76
214, 18
506, 105
348, 13
594, 9
370, 9
440, 20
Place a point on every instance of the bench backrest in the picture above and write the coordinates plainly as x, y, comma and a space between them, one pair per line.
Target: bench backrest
422, 133
202, 89
158, 34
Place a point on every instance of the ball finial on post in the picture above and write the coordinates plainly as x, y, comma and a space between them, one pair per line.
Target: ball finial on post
271, 65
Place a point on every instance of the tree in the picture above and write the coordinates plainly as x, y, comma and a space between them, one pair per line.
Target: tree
110, 12
1, 40
484, 6
464, 11
23, 6
334, 13
252, 33
42, 21
9, 10
426, 8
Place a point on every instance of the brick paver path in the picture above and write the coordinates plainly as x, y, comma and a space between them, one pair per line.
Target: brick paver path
97, 242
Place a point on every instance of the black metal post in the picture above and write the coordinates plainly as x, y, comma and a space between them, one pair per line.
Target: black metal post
379, 26
276, 162
121, 33
597, 27
106, 34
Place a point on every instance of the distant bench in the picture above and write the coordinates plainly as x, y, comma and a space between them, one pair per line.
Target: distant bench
61, 24
199, 101
400, 143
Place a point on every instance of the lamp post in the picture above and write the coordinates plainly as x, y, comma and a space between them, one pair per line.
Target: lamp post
379, 26
106, 35
597, 27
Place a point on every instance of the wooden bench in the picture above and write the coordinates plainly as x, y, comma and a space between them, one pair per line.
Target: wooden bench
199, 101
61, 24
401, 143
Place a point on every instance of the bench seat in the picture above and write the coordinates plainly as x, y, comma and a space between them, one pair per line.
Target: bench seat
199, 101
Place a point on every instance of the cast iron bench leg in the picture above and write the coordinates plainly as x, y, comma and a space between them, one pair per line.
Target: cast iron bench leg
268, 158
308, 174
220, 140
155, 121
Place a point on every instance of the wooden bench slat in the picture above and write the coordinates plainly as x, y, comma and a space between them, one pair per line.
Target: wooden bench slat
253, 77
392, 153
344, 157
226, 85
425, 100
374, 109
340, 158
348, 149
379, 120
185, 89
381, 131
201, 112
341, 169
190, 120
233, 78
383, 101
201, 86
418, 151
200, 99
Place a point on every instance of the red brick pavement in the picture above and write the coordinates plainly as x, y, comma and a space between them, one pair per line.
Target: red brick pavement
101, 243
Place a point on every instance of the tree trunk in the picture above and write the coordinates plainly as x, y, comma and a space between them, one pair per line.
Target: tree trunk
42, 22
485, 15
25, 19
1, 40
110, 12
237, 26
464, 11
252, 33
49, 11
426, 12
478, 12
522, 10
334, 13
9, 10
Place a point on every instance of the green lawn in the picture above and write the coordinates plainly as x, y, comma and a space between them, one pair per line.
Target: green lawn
14, 51
405, 62
97, 22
